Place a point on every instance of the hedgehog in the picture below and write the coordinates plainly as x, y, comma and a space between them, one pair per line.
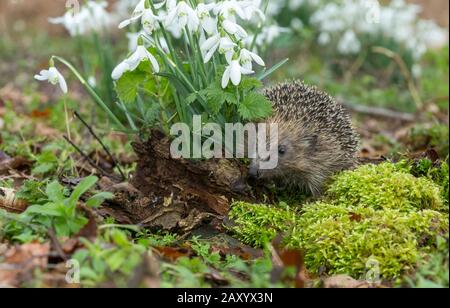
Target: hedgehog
315, 138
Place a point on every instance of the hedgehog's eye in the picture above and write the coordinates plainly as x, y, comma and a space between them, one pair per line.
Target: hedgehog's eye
281, 150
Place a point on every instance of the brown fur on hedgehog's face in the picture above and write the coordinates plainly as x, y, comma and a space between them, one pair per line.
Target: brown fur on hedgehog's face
294, 152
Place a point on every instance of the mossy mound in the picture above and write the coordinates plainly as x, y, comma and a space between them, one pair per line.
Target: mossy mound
373, 214
385, 187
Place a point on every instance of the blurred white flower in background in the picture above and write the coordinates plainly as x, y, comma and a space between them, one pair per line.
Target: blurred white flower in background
92, 17
348, 22
349, 43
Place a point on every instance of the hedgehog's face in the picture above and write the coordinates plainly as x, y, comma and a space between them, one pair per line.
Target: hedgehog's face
294, 152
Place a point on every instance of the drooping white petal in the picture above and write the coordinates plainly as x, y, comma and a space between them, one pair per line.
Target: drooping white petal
153, 61
209, 43
62, 83
210, 53
226, 77
235, 72
119, 70
257, 59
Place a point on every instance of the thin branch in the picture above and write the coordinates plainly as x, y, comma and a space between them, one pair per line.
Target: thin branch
91, 131
87, 158
405, 72
380, 112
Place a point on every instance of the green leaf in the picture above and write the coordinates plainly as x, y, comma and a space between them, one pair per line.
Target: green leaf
128, 85
98, 199
47, 210
55, 192
255, 106
152, 114
43, 168
82, 187
116, 260
249, 83
269, 72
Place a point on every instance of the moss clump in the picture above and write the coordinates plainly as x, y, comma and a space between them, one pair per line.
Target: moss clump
373, 213
258, 224
437, 172
385, 187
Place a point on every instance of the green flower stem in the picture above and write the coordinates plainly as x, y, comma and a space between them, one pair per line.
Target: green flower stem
91, 92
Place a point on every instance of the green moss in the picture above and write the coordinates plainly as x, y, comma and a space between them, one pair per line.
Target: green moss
385, 187
373, 213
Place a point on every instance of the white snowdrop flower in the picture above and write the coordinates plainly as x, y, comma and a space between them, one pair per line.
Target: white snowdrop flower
297, 24
234, 72
233, 28
230, 9
92, 17
183, 15
252, 9
130, 64
142, 54
268, 35
149, 21
208, 23
349, 43
139, 11
217, 43
247, 57
99, 17
324, 38
92, 81
53, 76
75, 24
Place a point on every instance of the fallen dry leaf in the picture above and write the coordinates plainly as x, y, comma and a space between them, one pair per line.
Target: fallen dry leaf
19, 261
344, 282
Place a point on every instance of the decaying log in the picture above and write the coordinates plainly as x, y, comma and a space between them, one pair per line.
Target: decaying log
177, 194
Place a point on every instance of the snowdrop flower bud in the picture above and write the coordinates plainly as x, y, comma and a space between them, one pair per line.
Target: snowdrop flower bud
53, 76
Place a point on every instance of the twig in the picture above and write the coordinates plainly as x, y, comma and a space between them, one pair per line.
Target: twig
116, 164
380, 112
52, 235
87, 158
406, 73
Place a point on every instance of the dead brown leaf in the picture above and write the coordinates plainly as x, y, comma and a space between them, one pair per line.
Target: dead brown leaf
19, 262
344, 282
